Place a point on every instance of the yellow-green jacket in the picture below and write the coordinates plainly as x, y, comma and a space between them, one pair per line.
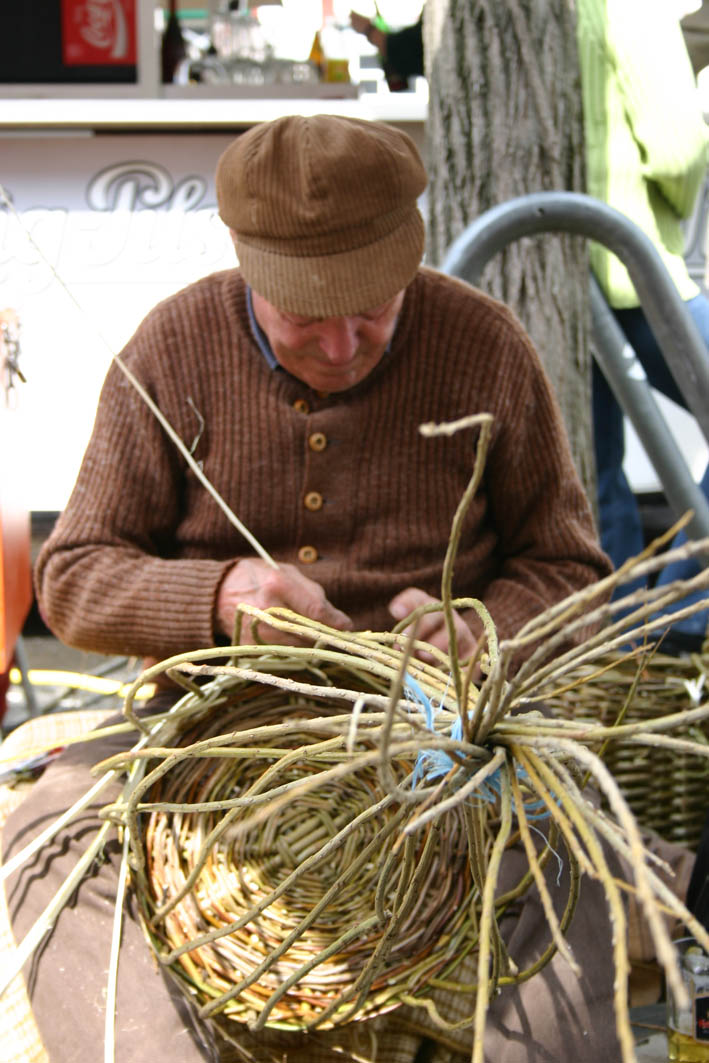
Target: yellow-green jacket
646, 138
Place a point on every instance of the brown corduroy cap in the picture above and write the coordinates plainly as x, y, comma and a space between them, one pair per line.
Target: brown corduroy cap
324, 212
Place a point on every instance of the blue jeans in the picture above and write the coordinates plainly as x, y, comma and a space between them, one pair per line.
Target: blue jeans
621, 528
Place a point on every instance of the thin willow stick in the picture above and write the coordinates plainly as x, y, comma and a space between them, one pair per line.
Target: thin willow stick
667, 901
386, 775
558, 810
472, 818
679, 745
109, 1051
484, 421
645, 731
618, 920
665, 952
609, 637
533, 860
487, 918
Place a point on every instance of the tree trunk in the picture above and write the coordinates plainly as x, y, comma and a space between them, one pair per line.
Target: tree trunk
504, 120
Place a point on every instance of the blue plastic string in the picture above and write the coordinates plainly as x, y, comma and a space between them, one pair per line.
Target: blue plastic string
434, 763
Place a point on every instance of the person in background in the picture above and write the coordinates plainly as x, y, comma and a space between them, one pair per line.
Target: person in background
646, 156
302, 378
401, 51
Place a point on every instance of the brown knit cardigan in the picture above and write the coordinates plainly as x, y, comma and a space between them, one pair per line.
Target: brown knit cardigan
135, 561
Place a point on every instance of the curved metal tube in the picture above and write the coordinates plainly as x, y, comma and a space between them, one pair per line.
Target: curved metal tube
676, 333
583, 215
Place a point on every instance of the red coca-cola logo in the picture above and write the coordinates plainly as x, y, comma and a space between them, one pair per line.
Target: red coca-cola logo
98, 32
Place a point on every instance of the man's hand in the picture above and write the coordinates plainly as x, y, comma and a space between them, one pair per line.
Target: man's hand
255, 582
432, 627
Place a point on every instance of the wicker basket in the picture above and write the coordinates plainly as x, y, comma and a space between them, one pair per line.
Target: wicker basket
265, 887
667, 790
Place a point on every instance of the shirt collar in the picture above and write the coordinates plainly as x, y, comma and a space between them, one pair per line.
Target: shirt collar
259, 335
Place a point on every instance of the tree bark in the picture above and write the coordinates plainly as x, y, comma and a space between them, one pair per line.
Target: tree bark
504, 120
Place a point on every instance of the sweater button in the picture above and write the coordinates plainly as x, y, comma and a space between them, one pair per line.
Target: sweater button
307, 554
317, 441
301, 406
313, 501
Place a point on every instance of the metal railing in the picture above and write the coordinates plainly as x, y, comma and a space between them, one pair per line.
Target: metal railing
674, 329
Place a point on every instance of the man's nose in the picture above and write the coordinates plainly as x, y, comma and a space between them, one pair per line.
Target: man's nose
338, 339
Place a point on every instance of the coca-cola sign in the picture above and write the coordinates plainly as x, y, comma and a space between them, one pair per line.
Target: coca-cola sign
98, 32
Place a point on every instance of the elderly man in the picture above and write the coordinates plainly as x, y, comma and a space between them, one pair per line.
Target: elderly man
300, 380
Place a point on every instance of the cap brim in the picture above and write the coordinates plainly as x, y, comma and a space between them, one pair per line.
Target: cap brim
336, 285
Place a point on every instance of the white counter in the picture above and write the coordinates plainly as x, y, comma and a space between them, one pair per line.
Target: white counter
196, 106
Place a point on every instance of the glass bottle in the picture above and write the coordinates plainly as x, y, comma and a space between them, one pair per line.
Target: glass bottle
172, 50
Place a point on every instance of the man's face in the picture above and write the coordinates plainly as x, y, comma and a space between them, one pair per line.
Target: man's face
332, 353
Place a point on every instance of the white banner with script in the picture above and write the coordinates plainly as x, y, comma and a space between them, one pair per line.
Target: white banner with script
122, 221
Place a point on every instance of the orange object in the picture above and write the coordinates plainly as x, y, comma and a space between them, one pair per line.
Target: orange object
16, 581
15, 564
317, 56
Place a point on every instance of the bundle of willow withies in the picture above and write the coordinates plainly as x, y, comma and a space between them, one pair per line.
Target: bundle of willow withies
298, 814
